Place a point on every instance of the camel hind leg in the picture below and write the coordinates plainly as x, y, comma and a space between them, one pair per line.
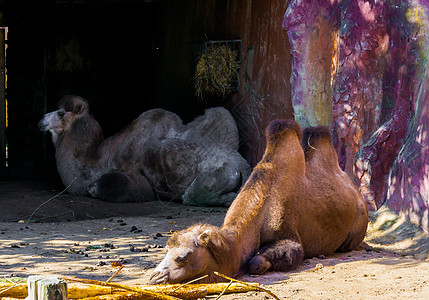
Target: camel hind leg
358, 229
282, 255
121, 187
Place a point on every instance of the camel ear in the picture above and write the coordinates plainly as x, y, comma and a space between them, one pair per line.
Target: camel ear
203, 238
78, 110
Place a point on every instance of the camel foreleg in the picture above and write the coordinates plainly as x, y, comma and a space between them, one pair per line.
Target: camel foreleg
282, 255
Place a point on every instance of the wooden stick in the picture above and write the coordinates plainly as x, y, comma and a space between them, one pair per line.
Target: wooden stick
212, 288
62, 192
97, 282
16, 290
116, 273
85, 291
120, 296
154, 295
223, 292
4, 290
189, 282
78, 291
234, 287
249, 284
196, 293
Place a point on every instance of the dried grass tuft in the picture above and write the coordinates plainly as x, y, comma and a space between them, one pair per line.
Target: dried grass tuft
216, 71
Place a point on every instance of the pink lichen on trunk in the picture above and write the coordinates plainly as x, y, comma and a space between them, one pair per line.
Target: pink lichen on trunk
378, 91
313, 46
409, 178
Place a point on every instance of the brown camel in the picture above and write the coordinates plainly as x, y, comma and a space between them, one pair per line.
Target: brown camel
296, 204
197, 163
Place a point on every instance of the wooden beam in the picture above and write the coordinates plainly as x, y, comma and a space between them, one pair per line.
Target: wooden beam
3, 34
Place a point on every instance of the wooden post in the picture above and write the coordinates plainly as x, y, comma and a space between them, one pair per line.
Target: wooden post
46, 288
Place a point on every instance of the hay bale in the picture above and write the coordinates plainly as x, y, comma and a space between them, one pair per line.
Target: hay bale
216, 72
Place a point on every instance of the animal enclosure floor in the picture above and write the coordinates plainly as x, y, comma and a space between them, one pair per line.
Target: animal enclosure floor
83, 237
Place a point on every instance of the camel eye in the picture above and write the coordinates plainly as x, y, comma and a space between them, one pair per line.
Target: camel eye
61, 113
181, 258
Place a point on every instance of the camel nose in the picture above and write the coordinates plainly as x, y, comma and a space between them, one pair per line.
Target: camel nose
42, 125
158, 277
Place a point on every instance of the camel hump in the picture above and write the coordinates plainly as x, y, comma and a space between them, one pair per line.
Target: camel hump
216, 126
74, 104
279, 126
314, 135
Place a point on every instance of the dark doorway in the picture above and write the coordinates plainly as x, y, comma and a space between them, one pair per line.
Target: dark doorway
3, 103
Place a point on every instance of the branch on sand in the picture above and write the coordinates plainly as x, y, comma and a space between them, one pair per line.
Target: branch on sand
100, 290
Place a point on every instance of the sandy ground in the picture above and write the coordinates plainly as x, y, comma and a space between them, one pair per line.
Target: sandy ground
84, 237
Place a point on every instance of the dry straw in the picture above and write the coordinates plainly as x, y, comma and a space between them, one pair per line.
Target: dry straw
216, 72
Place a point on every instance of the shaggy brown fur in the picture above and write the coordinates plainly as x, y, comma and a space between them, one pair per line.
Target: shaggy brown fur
289, 209
198, 162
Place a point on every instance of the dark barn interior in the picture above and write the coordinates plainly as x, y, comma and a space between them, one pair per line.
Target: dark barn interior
126, 57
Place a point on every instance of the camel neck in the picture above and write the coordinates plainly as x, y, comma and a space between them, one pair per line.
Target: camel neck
228, 252
241, 226
77, 154
82, 140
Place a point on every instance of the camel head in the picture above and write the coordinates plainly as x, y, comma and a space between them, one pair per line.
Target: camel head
188, 257
61, 120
